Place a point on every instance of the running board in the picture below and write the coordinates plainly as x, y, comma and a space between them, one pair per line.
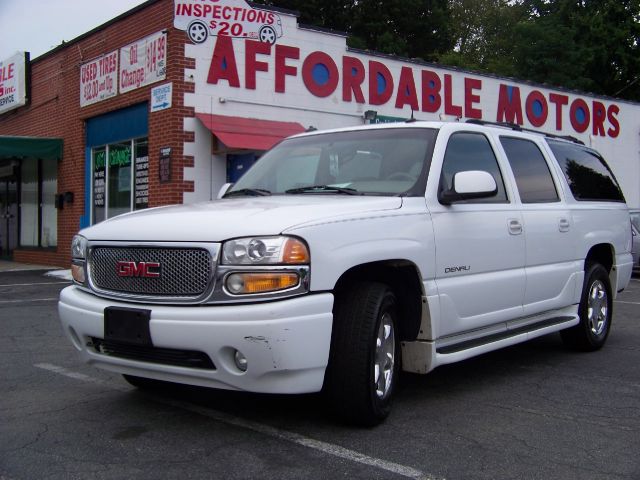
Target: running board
495, 337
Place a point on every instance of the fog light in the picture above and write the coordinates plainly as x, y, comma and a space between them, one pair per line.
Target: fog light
241, 361
241, 283
77, 272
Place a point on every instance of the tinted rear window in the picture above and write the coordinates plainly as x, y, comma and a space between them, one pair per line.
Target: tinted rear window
534, 180
588, 175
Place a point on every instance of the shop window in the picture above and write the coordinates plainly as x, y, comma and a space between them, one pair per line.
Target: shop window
29, 203
49, 213
38, 214
120, 173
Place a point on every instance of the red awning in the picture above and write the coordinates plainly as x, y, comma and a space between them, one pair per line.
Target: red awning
248, 133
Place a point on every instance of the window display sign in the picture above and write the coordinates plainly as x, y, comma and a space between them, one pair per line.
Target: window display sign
13, 85
142, 182
143, 62
99, 79
99, 170
165, 164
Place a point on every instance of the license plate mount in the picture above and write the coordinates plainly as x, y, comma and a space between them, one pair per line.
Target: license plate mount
127, 325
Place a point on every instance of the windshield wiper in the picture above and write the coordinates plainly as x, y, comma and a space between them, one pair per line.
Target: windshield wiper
324, 188
256, 192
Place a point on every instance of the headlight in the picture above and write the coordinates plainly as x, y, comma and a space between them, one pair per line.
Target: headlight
78, 247
78, 256
265, 251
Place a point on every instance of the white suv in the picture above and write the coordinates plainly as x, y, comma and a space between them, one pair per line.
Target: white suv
342, 256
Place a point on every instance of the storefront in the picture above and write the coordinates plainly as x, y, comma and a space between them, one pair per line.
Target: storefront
174, 98
28, 193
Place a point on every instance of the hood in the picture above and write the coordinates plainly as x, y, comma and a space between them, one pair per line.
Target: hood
235, 217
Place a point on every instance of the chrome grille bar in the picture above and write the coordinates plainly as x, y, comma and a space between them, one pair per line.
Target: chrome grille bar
180, 272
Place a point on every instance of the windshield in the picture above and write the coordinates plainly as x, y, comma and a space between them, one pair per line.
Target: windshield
370, 161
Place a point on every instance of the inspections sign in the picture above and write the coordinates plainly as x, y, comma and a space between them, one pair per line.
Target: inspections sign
13, 85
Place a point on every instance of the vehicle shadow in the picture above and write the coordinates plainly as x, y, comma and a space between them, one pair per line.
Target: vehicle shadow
444, 385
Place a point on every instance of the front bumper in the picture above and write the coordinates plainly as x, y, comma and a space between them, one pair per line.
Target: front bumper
286, 342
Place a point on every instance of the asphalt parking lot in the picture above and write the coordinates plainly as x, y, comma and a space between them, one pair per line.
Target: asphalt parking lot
533, 411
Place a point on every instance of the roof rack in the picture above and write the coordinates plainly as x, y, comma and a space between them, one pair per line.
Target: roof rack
518, 128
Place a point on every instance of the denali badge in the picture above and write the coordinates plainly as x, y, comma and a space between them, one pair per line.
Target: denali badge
463, 268
138, 269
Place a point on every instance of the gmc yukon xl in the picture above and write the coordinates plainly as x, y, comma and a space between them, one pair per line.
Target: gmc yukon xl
343, 256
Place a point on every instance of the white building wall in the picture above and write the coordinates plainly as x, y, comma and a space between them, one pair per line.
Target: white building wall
620, 144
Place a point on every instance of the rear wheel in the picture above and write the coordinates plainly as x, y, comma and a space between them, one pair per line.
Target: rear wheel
364, 361
595, 312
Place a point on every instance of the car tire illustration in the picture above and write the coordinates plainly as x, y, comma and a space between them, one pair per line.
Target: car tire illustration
197, 31
267, 34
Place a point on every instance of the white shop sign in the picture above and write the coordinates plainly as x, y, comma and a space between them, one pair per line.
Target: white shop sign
99, 79
161, 97
143, 62
13, 91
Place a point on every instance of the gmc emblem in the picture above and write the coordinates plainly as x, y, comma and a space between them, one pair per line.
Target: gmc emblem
138, 269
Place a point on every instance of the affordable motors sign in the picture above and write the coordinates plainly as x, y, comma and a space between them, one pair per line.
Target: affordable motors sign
401, 87
13, 84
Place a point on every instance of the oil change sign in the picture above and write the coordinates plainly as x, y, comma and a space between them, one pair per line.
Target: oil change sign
99, 79
143, 62
13, 92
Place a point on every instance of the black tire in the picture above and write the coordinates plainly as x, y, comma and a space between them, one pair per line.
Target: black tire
595, 310
356, 349
144, 383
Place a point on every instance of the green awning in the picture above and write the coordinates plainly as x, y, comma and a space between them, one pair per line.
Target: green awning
30, 147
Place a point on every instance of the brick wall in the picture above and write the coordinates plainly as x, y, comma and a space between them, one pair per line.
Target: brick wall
54, 111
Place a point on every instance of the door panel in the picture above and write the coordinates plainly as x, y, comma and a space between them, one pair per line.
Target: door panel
548, 228
480, 245
479, 266
550, 260
238, 164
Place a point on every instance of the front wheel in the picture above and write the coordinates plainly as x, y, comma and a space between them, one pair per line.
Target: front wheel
595, 310
364, 362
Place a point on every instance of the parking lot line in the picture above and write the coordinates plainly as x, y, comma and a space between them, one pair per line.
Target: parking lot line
35, 283
30, 300
629, 303
324, 447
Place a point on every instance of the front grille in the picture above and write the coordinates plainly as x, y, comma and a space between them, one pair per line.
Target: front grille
165, 356
183, 272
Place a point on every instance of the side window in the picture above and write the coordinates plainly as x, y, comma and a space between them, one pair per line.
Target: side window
471, 151
588, 175
533, 177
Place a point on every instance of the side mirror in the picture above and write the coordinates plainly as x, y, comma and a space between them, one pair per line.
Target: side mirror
469, 185
224, 189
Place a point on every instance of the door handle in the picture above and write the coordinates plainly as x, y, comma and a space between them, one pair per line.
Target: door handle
564, 225
515, 227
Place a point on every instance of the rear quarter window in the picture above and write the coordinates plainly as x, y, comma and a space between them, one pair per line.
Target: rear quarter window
587, 174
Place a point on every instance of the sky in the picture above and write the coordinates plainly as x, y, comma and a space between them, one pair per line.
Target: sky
37, 26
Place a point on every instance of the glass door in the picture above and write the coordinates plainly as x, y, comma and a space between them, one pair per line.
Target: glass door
8, 217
